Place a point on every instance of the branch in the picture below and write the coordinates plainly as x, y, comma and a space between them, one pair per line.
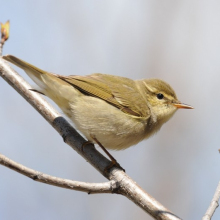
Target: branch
126, 186
90, 188
213, 205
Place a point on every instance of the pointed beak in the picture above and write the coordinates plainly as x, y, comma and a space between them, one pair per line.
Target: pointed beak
181, 105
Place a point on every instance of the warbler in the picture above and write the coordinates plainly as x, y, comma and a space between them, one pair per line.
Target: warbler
112, 111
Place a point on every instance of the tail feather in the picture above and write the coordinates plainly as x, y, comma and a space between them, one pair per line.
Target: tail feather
50, 84
33, 72
42, 78
22, 64
37, 91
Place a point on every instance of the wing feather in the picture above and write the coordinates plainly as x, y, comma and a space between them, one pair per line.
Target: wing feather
118, 91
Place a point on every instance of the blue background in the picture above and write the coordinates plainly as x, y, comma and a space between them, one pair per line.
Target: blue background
177, 41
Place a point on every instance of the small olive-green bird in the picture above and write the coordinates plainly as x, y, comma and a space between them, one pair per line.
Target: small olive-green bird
113, 111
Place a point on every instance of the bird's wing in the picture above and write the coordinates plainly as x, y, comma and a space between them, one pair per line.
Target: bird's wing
118, 91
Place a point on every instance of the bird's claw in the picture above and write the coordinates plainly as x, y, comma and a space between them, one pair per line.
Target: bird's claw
113, 163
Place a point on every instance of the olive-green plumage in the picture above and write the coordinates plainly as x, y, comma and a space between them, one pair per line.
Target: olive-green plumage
116, 111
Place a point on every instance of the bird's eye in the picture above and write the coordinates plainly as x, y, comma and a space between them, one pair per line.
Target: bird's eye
160, 96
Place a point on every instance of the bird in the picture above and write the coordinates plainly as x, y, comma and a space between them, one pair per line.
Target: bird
112, 111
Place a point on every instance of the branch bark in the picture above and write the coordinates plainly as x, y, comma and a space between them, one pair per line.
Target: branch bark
90, 188
126, 186
213, 205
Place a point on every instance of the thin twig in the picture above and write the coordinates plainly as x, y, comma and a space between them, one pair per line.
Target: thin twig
91, 188
1, 46
213, 205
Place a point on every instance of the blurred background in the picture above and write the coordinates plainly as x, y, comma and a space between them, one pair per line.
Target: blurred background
177, 41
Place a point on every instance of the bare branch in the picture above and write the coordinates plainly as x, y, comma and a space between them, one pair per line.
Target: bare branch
91, 188
126, 186
213, 205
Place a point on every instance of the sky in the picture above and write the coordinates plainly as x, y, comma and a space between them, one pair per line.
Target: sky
176, 41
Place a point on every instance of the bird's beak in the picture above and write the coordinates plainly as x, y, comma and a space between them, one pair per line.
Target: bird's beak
181, 105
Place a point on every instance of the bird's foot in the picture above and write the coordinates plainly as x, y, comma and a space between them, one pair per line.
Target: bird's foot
112, 164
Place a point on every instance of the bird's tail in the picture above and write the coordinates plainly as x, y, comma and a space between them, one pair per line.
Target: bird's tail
50, 84
37, 75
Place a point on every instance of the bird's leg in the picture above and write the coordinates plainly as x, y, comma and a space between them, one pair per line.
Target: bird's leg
113, 160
